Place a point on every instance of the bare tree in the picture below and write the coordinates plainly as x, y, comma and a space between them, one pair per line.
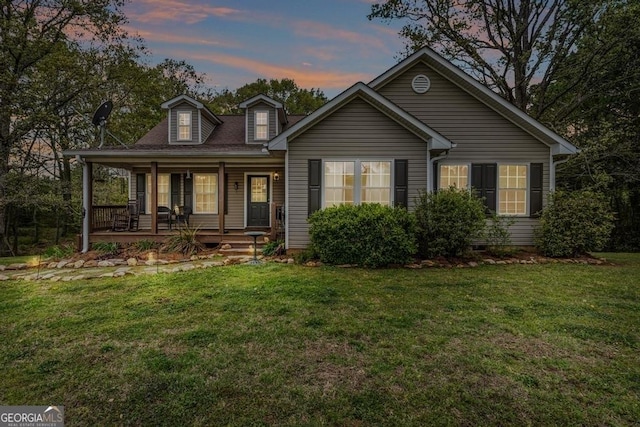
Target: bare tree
513, 46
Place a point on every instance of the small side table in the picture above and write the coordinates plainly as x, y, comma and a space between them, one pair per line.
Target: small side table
255, 235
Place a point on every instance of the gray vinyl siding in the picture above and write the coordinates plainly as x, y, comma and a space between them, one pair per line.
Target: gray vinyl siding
207, 128
235, 218
195, 124
251, 120
356, 131
481, 134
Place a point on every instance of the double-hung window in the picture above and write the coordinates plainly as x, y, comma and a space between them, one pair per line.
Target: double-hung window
163, 191
205, 188
503, 187
339, 179
454, 176
262, 125
512, 189
184, 125
354, 182
375, 182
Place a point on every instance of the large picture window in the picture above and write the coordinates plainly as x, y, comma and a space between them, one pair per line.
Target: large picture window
512, 186
349, 182
454, 176
184, 125
163, 191
205, 188
375, 182
262, 125
339, 183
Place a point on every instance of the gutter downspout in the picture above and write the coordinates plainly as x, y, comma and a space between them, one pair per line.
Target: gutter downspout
431, 163
85, 204
552, 172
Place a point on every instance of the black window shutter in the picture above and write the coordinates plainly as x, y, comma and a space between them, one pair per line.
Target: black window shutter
490, 185
535, 189
175, 190
315, 185
188, 192
141, 191
436, 173
401, 179
484, 177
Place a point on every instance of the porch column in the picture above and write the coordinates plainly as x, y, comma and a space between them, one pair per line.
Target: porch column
222, 187
87, 198
154, 197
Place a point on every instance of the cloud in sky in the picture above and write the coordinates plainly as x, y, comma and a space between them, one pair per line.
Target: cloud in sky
188, 12
322, 31
304, 76
328, 45
173, 38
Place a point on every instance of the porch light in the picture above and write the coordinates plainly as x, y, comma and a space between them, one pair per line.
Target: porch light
188, 174
235, 185
276, 176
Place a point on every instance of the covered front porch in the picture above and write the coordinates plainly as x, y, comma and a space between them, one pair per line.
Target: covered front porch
102, 229
224, 200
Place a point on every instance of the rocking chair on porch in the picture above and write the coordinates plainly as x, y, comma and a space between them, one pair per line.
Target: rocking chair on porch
127, 219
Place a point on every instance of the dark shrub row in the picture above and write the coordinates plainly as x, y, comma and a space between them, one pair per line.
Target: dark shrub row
446, 223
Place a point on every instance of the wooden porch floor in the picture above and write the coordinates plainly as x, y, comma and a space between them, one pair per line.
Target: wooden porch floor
208, 237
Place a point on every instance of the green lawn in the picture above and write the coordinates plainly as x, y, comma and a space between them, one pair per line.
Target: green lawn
289, 345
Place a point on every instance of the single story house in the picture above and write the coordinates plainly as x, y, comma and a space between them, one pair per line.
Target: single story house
423, 124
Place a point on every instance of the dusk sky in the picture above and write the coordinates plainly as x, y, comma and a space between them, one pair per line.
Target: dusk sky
325, 44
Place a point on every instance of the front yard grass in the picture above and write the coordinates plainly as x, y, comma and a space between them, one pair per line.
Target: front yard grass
288, 345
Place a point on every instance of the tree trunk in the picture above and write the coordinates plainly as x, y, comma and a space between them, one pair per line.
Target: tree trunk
36, 228
5, 148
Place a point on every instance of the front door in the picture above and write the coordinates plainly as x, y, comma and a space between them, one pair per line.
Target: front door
258, 201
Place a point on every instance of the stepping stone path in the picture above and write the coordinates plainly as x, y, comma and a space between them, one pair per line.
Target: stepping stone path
69, 270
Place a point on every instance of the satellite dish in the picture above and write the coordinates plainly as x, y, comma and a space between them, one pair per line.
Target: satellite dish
102, 113
100, 119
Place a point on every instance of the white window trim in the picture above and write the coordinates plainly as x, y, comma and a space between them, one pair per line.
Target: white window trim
147, 191
195, 194
357, 187
178, 113
527, 190
255, 125
453, 163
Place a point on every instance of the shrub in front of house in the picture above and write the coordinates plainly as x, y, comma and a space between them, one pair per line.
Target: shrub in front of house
448, 221
370, 235
574, 223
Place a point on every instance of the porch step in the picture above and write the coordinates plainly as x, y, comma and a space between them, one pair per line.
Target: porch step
240, 245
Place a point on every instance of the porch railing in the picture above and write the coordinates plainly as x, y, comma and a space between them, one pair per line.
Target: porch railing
102, 216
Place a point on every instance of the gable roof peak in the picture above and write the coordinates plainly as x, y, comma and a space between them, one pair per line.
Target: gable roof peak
179, 99
376, 100
481, 92
167, 105
260, 97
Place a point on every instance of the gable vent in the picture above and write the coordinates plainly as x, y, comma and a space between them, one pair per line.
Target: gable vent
420, 83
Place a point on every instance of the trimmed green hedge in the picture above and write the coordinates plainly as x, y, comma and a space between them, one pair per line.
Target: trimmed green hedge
448, 222
574, 223
369, 235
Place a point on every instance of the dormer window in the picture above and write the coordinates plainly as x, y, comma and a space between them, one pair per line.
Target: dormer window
262, 125
184, 125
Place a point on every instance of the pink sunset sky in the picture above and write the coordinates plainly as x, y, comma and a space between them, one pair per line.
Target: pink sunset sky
325, 44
